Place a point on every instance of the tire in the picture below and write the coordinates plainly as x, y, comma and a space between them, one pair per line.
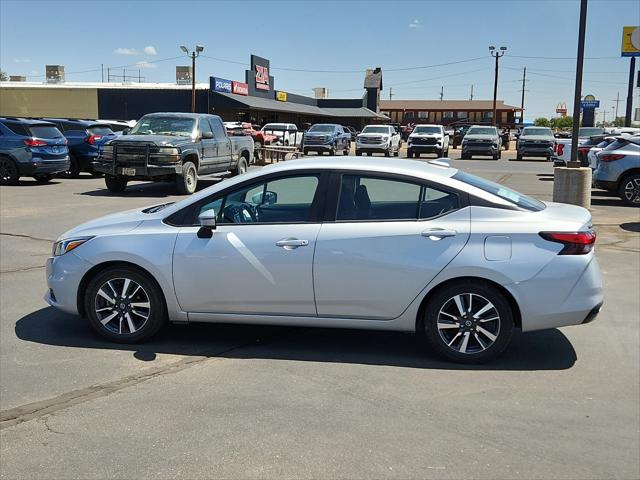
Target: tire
115, 184
144, 306
496, 156
241, 167
518, 157
74, 168
629, 190
499, 154
9, 173
369, 154
387, 152
43, 177
187, 181
397, 152
409, 154
358, 153
305, 152
95, 174
332, 150
465, 156
486, 338
256, 151
347, 150
440, 153
446, 153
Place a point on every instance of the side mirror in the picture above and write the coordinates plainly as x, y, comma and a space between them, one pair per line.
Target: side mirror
207, 135
207, 220
126, 131
269, 198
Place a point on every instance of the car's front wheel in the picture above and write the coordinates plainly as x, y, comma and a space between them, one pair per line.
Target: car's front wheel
630, 190
115, 184
468, 322
9, 174
187, 182
124, 304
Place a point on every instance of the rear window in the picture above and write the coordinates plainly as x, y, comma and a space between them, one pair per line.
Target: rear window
501, 191
44, 131
100, 130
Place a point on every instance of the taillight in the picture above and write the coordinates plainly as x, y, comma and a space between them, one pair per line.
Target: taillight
559, 148
575, 243
91, 139
610, 157
584, 150
33, 142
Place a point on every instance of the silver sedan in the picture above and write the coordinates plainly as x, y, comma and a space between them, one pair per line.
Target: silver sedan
338, 242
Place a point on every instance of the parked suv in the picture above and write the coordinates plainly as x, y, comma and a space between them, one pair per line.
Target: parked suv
481, 140
378, 139
174, 147
428, 139
618, 169
31, 148
326, 137
85, 138
535, 142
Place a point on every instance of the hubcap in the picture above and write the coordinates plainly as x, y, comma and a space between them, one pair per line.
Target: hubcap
468, 323
122, 306
632, 190
191, 177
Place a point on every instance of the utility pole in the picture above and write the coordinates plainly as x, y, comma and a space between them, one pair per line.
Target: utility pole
578, 86
496, 54
193, 55
441, 93
390, 93
632, 73
617, 100
471, 97
102, 70
524, 79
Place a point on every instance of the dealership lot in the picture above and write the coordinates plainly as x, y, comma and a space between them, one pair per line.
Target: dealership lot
249, 402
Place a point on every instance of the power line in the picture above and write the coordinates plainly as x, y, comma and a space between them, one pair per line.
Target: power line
560, 58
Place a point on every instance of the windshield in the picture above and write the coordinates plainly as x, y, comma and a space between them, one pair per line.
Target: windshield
590, 131
275, 126
427, 130
482, 131
501, 191
322, 128
161, 125
537, 131
374, 129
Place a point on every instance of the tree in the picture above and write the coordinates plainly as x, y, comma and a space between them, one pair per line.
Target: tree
618, 122
3, 76
562, 123
542, 122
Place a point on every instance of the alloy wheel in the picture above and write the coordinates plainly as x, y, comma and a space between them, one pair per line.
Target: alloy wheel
191, 178
468, 323
8, 170
632, 190
122, 306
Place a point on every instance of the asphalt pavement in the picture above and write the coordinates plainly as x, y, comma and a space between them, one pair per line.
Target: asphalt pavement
217, 401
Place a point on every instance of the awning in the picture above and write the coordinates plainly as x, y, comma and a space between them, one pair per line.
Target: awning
228, 100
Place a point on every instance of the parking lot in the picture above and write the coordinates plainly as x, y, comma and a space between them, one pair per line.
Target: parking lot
221, 401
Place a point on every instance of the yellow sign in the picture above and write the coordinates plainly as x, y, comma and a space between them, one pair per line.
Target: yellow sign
281, 96
630, 41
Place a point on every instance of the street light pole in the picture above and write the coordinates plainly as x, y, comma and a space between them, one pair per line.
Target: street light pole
496, 54
193, 55
578, 85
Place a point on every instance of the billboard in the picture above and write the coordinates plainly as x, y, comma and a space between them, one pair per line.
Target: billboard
239, 88
630, 42
220, 84
281, 96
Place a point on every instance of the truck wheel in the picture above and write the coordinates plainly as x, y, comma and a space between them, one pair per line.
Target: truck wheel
187, 182
387, 152
332, 150
358, 153
256, 151
629, 190
43, 177
347, 150
409, 154
440, 153
115, 184
518, 157
9, 174
241, 167
397, 152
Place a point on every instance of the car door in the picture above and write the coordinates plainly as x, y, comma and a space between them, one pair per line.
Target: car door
391, 236
223, 156
259, 258
209, 157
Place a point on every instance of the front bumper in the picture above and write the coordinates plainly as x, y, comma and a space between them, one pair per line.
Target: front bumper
527, 151
416, 147
372, 147
64, 274
480, 149
142, 172
37, 165
325, 147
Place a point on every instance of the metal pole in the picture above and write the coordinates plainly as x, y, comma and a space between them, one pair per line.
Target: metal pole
632, 72
617, 101
578, 87
441, 93
524, 76
193, 82
495, 91
471, 97
102, 70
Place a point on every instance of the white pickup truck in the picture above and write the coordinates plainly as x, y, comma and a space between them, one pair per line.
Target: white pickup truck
562, 147
287, 133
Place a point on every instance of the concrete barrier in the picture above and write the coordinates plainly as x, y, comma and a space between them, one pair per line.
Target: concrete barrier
572, 185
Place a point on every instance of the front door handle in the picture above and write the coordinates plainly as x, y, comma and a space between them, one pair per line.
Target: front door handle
291, 243
438, 233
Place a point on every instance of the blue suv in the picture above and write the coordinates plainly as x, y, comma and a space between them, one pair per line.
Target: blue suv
31, 148
85, 138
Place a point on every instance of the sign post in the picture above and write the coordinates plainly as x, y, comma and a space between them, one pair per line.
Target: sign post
630, 48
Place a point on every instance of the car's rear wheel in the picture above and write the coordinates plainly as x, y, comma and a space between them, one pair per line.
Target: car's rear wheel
9, 174
629, 190
43, 177
115, 184
125, 305
347, 149
187, 181
468, 322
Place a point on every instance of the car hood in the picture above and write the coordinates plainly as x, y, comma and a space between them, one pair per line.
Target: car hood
426, 135
546, 138
115, 223
157, 140
320, 134
480, 137
373, 134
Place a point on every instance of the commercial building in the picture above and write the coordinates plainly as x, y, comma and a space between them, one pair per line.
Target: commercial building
447, 112
255, 100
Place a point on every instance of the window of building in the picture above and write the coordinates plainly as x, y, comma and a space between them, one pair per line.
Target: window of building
463, 115
408, 115
447, 114
487, 115
423, 115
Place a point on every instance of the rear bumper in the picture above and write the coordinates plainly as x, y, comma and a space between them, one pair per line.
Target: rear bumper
37, 166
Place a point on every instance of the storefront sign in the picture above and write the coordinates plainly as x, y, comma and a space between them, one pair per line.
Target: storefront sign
630, 42
281, 96
240, 88
220, 85
262, 77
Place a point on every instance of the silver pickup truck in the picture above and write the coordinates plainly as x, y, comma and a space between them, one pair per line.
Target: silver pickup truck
175, 147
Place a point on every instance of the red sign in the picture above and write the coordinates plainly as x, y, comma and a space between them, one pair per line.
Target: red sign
262, 77
240, 88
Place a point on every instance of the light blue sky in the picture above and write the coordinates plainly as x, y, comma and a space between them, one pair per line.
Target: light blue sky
330, 35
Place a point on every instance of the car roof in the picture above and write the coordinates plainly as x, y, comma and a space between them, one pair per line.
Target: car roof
26, 121
78, 121
426, 125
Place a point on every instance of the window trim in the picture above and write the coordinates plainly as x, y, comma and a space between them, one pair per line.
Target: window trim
335, 183
188, 213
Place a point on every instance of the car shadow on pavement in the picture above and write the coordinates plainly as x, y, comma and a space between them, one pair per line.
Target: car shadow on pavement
155, 189
610, 202
544, 350
631, 227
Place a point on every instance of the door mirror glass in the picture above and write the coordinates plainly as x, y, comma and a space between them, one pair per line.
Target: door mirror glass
207, 218
268, 198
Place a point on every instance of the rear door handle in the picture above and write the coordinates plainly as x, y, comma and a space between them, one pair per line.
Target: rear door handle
291, 243
438, 233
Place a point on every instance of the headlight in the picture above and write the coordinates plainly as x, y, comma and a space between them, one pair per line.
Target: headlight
63, 246
168, 151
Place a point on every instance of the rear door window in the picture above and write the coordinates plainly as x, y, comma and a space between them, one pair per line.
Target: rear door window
44, 131
17, 128
218, 129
